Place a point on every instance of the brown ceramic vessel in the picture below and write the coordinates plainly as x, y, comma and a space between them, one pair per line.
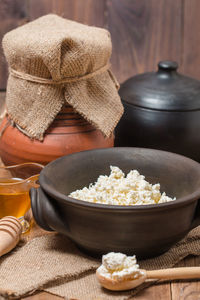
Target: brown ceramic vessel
68, 133
144, 230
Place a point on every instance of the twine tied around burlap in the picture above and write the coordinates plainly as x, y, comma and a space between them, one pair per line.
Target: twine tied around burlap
53, 61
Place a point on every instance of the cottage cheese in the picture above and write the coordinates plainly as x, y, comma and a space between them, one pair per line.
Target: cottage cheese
120, 267
118, 189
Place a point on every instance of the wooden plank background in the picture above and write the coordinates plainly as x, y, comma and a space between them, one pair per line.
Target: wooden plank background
143, 31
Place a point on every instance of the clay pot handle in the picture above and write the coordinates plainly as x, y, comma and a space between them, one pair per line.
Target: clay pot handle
45, 213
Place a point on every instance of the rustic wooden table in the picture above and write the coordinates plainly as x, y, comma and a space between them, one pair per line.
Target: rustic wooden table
166, 291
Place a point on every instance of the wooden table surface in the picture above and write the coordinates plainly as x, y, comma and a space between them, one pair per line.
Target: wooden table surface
167, 291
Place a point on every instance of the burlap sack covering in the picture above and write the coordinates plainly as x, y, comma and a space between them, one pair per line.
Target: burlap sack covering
53, 61
54, 264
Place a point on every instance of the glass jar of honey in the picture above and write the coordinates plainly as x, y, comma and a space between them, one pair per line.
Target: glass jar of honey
15, 183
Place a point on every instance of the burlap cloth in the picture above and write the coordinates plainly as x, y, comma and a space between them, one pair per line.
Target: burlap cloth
53, 61
54, 264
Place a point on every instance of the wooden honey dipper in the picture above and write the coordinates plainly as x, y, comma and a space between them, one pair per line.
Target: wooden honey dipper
10, 232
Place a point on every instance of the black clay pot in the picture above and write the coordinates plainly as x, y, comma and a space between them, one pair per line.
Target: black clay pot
161, 111
144, 230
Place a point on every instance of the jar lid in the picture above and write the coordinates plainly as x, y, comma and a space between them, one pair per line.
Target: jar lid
165, 89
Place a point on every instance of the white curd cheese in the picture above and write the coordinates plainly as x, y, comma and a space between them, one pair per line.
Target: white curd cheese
118, 189
118, 266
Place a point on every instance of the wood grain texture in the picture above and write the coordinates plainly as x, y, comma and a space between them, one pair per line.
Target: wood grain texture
154, 293
185, 291
89, 12
12, 14
143, 33
191, 38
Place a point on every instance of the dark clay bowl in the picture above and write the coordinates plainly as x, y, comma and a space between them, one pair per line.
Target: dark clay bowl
145, 230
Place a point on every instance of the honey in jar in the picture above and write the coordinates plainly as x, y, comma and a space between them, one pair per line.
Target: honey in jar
15, 183
14, 197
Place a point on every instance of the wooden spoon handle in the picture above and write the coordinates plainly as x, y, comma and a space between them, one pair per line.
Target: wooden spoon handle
174, 273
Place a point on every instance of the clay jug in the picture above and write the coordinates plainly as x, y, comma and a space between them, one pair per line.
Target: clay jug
68, 133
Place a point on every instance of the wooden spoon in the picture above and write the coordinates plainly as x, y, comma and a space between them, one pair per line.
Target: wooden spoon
167, 274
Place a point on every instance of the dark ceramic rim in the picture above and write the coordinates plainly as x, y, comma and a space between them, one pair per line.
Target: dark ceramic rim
162, 206
143, 107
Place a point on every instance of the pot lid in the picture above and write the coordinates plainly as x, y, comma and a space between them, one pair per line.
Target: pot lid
165, 89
